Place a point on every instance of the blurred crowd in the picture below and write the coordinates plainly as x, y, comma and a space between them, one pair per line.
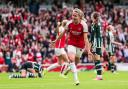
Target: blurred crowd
25, 36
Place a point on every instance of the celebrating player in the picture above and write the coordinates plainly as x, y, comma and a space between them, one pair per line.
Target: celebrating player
77, 31
59, 50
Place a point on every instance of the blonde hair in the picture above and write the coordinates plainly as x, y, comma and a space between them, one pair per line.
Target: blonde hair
80, 13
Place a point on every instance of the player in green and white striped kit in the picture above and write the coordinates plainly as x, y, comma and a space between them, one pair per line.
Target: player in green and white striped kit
29, 70
96, 43
110, 42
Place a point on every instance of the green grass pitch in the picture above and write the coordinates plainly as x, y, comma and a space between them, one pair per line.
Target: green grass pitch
52, 80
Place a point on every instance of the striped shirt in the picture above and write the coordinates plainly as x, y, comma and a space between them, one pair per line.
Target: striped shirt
96, 35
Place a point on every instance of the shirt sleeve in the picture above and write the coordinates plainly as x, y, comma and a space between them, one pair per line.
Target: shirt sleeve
67, 25
85, 26
61, 29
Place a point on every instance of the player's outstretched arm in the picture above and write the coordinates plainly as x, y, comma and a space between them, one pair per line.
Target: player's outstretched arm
58, 38
116, 43
87, 44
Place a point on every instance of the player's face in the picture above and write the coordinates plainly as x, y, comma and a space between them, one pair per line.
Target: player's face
95, 21
109, 28
75, 17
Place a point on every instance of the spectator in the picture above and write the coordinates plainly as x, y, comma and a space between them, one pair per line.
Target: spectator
3, 67
126, 53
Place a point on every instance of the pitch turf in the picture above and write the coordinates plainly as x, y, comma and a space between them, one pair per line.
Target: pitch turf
53, 81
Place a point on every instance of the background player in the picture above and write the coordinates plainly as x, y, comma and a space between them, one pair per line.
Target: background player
96, 42
110, 48
60, 50
29, 69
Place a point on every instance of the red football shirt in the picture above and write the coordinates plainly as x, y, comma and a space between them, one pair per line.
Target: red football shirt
76, 33
61, 43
